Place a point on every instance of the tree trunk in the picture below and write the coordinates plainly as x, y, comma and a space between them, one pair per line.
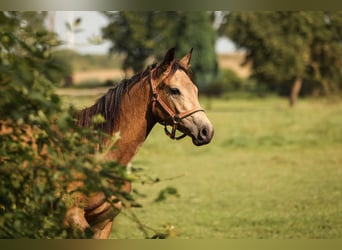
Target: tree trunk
326, 87
296, 87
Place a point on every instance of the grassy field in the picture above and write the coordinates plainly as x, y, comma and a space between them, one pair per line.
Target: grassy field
270, 172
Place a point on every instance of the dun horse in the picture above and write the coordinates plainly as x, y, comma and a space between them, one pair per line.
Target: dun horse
163, 93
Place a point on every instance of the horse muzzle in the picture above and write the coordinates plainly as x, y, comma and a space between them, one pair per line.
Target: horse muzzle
203, 135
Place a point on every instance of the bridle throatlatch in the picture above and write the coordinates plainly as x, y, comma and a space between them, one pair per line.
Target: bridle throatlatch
176, 117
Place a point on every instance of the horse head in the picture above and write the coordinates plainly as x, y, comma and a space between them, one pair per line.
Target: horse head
175, 100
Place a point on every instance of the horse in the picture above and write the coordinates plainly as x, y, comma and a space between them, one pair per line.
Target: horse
163, 93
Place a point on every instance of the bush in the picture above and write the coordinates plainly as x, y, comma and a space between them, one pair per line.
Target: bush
229, 81
41, 149
60, 69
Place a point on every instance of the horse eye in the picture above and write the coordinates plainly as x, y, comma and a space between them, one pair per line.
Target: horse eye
175, 91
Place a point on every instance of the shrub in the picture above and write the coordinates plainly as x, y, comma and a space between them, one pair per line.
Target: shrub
229, 81
41, 149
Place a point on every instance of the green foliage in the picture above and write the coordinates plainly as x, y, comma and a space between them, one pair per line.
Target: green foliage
194, 30
42, 151
228, 82
60, 69
141, 35
134, 34
283, 46
168, 191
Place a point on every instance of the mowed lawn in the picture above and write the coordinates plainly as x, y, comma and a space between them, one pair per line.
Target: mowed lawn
270, 172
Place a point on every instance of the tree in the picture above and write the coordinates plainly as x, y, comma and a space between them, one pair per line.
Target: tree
195, 30
289, 47
140, 35
136, 34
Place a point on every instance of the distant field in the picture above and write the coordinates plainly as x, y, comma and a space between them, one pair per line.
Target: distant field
234, 61
270, 172
103, 68
98, 75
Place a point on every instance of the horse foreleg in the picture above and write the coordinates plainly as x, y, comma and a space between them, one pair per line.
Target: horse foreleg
76, 221
104, 232
100, 215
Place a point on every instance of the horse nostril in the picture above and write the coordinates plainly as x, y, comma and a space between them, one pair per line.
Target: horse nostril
204, 136
204, 133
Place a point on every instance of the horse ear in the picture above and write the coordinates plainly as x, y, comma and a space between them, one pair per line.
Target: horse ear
167, 62
185, 61
168, 58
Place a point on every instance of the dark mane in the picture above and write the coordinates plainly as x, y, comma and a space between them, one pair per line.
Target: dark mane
109, 105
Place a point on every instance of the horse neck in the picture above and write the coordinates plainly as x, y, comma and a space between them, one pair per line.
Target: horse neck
136, 122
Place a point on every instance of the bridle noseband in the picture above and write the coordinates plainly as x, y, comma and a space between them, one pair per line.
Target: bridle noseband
176, 117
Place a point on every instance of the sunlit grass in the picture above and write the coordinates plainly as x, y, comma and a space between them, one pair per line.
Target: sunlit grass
270, 172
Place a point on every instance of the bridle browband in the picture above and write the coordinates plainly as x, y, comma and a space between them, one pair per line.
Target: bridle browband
176, 117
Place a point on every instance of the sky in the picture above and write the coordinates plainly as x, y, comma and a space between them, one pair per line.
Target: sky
91, 24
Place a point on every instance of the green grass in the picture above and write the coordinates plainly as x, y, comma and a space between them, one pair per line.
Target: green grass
270, 172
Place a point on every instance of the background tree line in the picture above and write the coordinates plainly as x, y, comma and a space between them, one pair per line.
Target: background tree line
291, 52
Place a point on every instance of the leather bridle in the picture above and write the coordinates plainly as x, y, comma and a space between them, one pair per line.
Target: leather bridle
176, 117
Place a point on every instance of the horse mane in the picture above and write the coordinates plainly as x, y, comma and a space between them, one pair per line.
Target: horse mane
109, 105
